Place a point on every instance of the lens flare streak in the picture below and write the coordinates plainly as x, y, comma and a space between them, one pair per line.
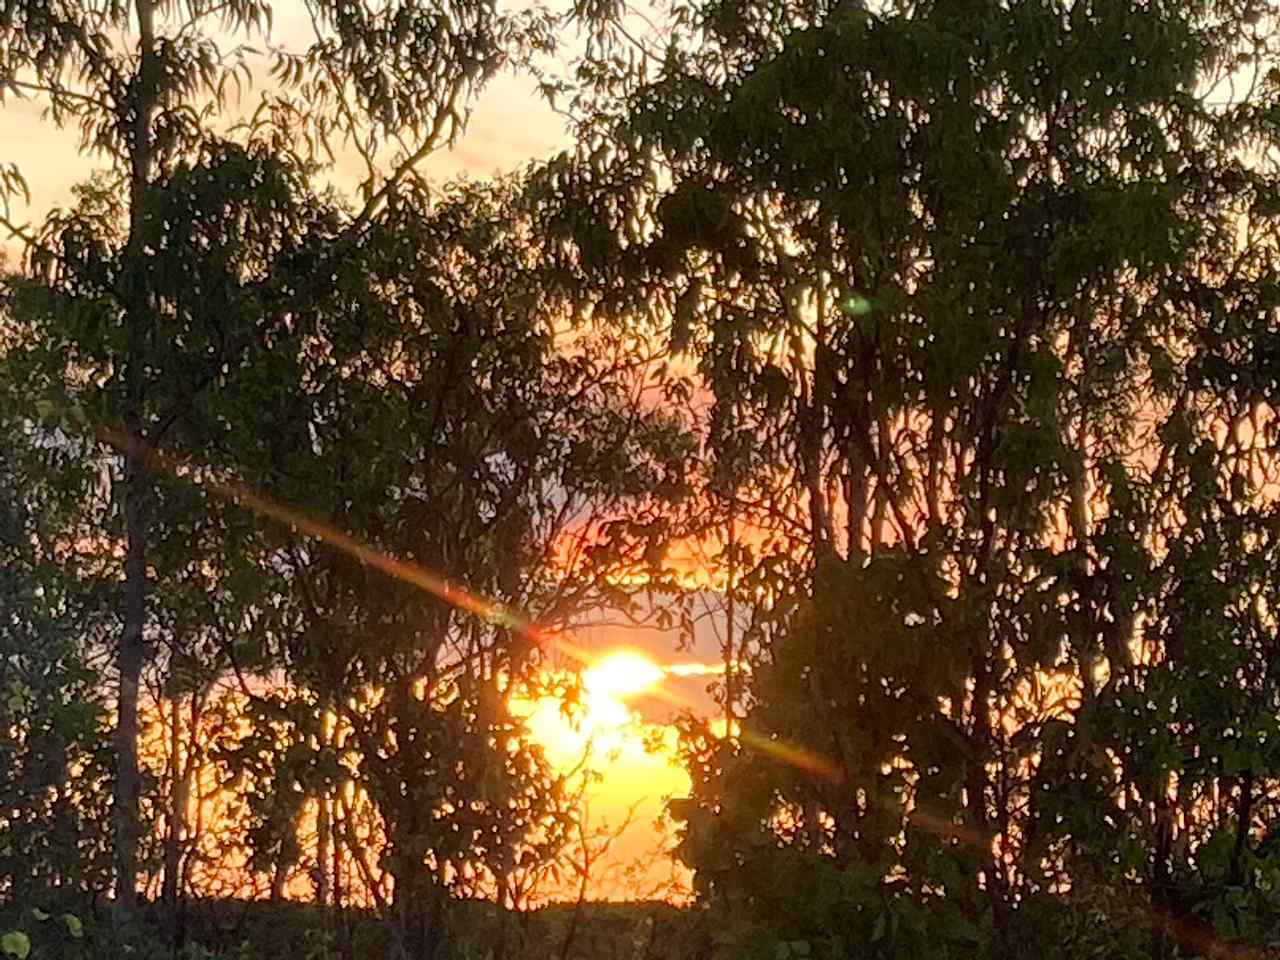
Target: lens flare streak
411, 573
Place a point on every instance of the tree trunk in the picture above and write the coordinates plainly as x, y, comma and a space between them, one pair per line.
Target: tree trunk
1244, 818
1164, 914
416, 929
335, 818
132, 652
279, 880
177, 811
129, 660
323, 836
177, 835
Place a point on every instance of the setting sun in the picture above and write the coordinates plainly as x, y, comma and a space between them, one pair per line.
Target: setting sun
611, 680
603, 724
632, 762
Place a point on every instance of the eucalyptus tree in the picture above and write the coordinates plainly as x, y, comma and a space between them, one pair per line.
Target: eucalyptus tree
158, 285
489, 456
984, 296
54, 765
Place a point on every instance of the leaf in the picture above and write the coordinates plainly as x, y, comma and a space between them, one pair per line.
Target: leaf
681, 808
877, 931
39, 914
74, 926
16, 944
856, 305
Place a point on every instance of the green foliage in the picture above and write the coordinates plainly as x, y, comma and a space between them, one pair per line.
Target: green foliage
53, 761
394, 374
466, 442
179, 268
16, 944
979, 293
981, 301
40, 935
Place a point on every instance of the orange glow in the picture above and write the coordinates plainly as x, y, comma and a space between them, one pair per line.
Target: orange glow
630, 766
610, 681
427, 580
792, 754
604, 729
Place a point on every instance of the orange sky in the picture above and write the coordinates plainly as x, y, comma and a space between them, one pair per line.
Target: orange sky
634, 684
510, 126
635, 761
612, 745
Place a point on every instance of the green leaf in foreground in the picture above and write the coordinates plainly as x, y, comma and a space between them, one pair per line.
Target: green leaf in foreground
16, 944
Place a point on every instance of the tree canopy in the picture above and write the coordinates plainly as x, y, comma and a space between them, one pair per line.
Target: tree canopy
950, 326
983, 296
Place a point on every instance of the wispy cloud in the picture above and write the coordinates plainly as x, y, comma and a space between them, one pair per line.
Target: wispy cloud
694, 669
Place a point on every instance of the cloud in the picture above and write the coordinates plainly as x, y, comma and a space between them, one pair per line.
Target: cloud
694, 669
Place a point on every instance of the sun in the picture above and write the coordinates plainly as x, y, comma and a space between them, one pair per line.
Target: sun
604, 723
632, 762
621, 675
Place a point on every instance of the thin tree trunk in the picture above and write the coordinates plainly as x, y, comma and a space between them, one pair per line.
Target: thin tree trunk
278, 879
177, 812
1244, 818
129, 660
325, 806
1164, 911
416, 932
730, 640
181, 773
132, 652
575, 918
324, 835
335, 814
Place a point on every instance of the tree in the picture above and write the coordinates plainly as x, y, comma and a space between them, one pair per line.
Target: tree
441, 415
52, 757
158, 285
983, 295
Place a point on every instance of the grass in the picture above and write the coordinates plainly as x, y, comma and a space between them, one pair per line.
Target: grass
260, 930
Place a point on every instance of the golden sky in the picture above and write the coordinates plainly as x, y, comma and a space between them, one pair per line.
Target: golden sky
633, 685
635, 762
510, 125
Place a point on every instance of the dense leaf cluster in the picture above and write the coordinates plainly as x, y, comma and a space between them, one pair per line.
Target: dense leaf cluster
984, 296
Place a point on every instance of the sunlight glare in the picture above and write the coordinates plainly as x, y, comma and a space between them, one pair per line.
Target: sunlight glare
621, 674
632, 763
